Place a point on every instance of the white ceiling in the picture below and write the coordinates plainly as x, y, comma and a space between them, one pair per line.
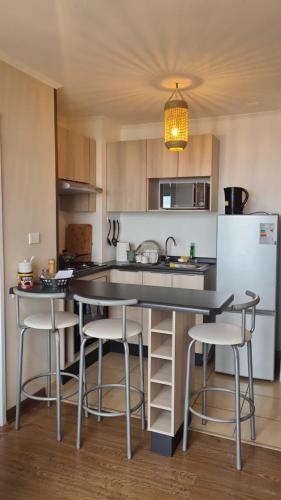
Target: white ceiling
117, 57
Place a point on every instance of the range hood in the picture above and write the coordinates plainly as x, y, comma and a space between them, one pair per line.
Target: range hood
72, 187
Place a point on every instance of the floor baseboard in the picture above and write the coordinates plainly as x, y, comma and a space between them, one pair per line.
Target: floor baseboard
26, 405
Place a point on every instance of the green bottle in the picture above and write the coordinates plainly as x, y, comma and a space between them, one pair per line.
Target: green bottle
192, 251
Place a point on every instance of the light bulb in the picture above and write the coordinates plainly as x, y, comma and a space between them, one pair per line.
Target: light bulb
174, 131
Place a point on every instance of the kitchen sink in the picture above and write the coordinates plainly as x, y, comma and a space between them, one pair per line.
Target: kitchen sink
188, 266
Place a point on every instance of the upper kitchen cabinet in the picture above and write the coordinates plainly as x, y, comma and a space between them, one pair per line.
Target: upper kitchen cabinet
160, 161
73, 156
126, 176
76, 162
200, 157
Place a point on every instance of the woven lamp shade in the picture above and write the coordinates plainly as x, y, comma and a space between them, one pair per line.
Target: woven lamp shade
176, 123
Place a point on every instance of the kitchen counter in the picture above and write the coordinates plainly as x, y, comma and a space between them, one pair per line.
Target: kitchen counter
205, 265
207, 302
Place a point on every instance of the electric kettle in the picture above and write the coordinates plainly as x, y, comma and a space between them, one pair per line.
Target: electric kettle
234, 203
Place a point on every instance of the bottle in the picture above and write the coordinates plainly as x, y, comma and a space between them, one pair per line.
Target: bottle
192, 251
52, 266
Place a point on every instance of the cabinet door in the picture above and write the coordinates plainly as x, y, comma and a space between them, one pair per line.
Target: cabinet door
73, 156
188, 281
160, 161
156, 279
95, 277
197, 158
63, 166
128, 278
126, 176
92, 196
79, 157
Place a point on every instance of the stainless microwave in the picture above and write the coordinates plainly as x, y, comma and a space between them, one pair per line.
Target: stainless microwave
184, 194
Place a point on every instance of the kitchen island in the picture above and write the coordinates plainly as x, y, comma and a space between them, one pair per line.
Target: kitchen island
171, 313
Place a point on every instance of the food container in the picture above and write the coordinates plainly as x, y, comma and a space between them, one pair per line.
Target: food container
121, 251
131, 255
25, 275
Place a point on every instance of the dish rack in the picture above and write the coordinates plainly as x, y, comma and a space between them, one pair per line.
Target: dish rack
150, 249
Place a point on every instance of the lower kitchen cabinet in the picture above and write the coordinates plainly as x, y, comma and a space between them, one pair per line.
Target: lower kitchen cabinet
156, 279
103, 276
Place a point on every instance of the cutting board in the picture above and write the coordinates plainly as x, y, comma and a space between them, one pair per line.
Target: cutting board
78, 239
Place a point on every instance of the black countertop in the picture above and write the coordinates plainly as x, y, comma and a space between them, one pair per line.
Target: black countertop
155, 268
197, 301
207, 302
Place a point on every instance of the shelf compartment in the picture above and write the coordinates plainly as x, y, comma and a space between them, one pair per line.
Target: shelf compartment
161, 396
161, 371
161, 421
162, 321
161, 345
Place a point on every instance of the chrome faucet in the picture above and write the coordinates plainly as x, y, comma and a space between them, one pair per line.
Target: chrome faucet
166, 244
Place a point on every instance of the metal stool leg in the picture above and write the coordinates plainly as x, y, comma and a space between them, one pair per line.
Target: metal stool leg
128, 399
80, 396
237, 407
142, 381
85, 389
19, 377
58, 385
205, 379
49, 354
251, 388
100, 378
187, 390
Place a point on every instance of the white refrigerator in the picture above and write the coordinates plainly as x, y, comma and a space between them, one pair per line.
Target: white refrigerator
247, 257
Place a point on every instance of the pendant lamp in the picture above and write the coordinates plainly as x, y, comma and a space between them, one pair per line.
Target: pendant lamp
176, 121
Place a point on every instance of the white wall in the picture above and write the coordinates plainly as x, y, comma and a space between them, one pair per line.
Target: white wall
198, 228
29, 201
250, 156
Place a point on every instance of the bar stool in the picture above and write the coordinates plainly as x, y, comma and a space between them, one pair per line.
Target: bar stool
50, 322
235, 337
109, 329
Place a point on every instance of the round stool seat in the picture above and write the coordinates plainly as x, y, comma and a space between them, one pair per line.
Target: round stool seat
218, 334
111, 329
43, 321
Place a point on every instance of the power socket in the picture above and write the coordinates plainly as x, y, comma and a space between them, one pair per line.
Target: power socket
33, 238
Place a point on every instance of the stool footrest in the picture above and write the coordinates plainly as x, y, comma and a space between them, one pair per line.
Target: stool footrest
112, 413
222, 420
45, 398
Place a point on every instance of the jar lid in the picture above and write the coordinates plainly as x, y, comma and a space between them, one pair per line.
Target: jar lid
24, 267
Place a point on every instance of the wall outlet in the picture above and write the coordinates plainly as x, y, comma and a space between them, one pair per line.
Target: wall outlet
33, 238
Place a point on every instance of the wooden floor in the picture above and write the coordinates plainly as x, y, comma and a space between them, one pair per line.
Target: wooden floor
34, 466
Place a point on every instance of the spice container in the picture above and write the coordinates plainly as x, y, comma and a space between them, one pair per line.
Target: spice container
25, 275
